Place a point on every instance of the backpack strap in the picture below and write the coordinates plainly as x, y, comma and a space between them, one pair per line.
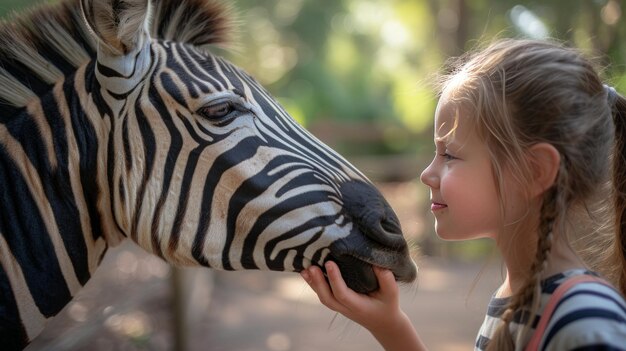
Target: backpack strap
548, 310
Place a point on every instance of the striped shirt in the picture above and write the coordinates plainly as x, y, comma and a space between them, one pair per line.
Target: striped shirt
590, 316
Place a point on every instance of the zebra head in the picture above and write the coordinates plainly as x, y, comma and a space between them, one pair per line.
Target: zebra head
206, 168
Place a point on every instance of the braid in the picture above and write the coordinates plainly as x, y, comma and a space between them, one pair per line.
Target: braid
619, 180
530, 294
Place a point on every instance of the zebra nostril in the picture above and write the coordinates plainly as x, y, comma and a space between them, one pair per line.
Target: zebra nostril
385, 232
390, 226
372, 215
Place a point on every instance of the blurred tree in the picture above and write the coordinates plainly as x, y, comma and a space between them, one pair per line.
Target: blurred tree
372, 61
9, 6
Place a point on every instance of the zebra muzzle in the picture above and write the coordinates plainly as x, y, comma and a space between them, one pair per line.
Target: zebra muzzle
375, 240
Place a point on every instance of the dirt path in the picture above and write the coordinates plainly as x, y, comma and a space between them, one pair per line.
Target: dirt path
253, 311
127, 306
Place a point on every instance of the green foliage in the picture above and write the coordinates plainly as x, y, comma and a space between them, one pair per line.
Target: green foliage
373, 61
7, 7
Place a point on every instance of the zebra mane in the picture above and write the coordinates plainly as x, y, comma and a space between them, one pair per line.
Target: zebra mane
42, 45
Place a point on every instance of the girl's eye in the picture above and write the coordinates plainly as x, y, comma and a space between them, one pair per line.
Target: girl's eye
447, 156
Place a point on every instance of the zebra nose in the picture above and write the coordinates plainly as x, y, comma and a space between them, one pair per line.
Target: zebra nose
371, 213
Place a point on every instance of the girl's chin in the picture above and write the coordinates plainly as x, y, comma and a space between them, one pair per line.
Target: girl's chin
452, 238
456, 236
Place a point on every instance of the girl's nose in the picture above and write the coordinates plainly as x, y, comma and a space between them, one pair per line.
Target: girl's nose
429, 176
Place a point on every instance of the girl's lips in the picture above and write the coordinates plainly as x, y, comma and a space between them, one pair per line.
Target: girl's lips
437, 206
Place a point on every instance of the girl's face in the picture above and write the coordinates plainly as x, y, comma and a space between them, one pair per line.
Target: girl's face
463, 193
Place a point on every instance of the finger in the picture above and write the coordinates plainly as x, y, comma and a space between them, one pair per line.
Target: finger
341, 291
306, 276
386, 281
310, 275
315, 274
322, 289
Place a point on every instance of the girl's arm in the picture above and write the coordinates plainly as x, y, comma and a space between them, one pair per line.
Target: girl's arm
379, 312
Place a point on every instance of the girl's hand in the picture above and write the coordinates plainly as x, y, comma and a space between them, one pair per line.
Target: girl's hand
378, 312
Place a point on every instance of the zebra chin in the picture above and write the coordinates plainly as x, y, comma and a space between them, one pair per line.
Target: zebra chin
356, 256
360, 277
375, 239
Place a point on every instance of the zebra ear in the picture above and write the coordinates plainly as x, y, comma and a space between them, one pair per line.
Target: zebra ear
121, 26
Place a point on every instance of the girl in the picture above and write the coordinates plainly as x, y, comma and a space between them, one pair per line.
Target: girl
524, 134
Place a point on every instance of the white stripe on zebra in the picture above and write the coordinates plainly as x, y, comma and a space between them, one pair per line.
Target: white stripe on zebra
16, 152
279, 226
225, 188
94, 248
101, 127
244, 225
33, 320
36, 110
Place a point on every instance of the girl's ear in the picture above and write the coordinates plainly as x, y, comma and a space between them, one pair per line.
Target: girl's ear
545, 161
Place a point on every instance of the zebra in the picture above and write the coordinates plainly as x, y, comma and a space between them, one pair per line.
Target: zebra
117, 122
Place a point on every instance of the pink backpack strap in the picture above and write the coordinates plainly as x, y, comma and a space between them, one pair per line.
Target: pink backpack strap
535, 340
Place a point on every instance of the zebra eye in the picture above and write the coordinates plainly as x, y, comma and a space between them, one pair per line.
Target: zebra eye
217, 111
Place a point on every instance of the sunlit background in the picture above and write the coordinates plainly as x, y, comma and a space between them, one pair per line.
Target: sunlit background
356, 73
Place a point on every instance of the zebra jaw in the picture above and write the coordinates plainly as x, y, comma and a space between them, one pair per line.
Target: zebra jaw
356, 256
358, 272
366, 281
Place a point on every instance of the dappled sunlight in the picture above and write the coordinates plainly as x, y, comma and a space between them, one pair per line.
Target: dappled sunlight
364, 50
287, 11
369, 16
342, 55
296, 289
611, 12
278, 342
528, 23
133, 266
395, 34
78, 311
134, 325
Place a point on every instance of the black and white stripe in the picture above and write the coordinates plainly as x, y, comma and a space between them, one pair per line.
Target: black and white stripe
590, 316
139, 132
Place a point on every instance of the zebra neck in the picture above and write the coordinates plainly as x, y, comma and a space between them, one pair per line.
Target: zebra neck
55, 227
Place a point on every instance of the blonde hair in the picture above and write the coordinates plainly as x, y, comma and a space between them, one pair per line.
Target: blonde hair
523, 92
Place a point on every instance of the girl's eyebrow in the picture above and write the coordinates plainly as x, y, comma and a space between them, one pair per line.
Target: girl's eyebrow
449, 143
441, 142
445, 141
450, 133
